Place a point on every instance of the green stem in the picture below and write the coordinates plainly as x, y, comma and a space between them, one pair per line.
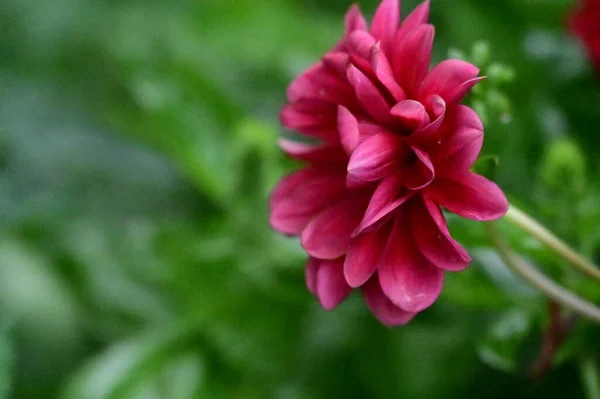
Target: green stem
543, 235
552, 290
589, 375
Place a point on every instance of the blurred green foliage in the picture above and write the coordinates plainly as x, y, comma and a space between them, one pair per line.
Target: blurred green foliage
137, 150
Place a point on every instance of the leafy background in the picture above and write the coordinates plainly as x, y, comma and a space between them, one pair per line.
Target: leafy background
137, 149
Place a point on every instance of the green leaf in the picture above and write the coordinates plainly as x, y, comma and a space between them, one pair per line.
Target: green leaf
6, 365
150, 364
502, 348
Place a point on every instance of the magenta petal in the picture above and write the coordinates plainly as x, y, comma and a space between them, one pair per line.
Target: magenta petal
316, 154
411, 114
331, 287
388, 196
313, 118
302, 196
460, 150
469, 195
449, 79
363, 256
337, 62
423, 135
411, 57
386, 20
421, 173
319, 83
465, 117
310, 274
288, 184
360, 44
368, 95
355, 20
375, 157
434, 240
383, 71
328, 235
348, 129
418, 16
461, 91
407, 278
383, 309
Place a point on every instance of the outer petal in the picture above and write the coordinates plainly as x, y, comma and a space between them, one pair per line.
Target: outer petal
469, 195
323, 154
411, 57
385, 311
388, 196
328, 235
364, 255
328, 282
288, 184
434, 239
407, 278
383, 71
313, 118
319, 83
385, 21
301, 196
451, 80
355, 20
310, 274
337, 62
375, 157
418, 16
348, 129
368, 95
460, 150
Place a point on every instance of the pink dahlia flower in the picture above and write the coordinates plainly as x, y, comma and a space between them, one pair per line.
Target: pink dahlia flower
390, 145
585, 24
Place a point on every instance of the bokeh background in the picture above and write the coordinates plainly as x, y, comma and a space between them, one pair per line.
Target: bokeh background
137, 150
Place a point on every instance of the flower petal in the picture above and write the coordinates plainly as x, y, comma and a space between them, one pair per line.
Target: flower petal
310, 274
418, 16
368, 95
313, 118
387, 197
411, 57
434, 239
451, 80
317, 154
411, 114
320, 84
302, 196
363, 256
469, 195
348, 129
329, 283
436, 106
383, 309
407, 278
375, 157
385, 20
355, 20
383, 71
421, 173
460, 150
328, 235
337, 62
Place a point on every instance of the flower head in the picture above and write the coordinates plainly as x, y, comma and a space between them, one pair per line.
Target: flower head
585, 24
392, 145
